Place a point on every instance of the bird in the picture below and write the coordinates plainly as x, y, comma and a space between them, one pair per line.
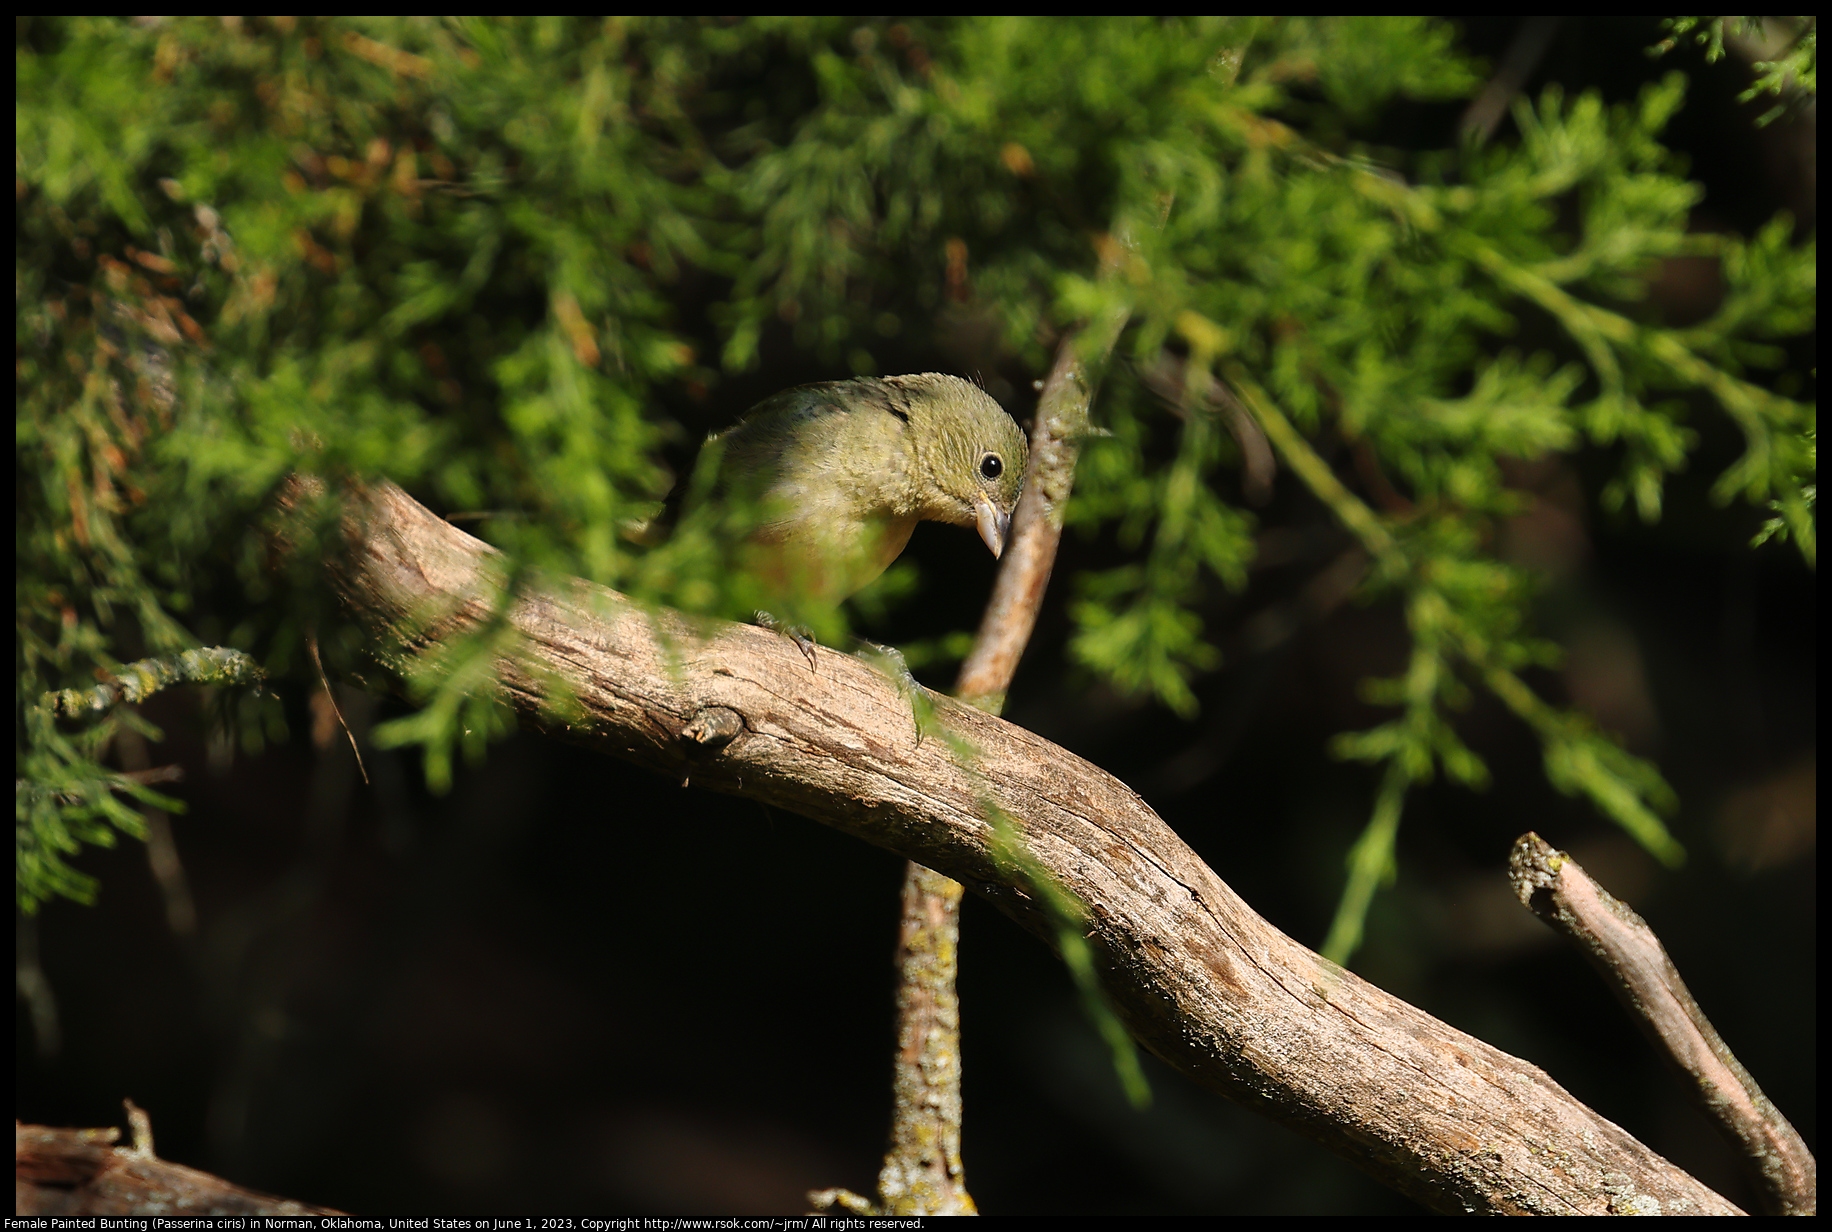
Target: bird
826, 482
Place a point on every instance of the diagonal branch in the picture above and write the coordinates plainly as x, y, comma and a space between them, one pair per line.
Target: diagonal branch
1631, 960
1199, 978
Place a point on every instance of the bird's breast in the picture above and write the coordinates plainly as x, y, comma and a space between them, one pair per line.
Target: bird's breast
827, 559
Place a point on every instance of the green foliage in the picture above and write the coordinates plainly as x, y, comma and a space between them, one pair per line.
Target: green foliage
503, 262
65, 798
1789, 45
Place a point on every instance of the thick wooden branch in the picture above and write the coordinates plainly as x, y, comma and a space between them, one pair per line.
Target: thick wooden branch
1200, 979
80, 1173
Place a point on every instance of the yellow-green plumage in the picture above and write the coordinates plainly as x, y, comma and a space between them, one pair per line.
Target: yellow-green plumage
835, 476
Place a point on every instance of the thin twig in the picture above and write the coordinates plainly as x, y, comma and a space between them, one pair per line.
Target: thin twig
922, 1171
1619, 943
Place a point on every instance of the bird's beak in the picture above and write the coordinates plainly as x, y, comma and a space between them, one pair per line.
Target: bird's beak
992, 524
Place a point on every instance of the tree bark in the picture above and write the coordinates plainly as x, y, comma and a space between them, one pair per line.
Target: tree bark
1200, 979
80, 1173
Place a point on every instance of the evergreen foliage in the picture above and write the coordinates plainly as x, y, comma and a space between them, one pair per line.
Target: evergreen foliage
503, 263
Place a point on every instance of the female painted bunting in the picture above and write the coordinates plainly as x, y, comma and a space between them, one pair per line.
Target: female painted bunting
830, 479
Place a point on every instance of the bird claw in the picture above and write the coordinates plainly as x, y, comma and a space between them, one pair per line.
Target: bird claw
892, 663
799, 634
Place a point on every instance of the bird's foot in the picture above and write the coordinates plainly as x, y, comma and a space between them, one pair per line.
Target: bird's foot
799, 634
891, 662
888, 659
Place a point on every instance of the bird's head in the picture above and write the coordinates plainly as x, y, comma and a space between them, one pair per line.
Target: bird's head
969, 456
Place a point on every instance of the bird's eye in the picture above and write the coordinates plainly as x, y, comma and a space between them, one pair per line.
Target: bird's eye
991, 467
